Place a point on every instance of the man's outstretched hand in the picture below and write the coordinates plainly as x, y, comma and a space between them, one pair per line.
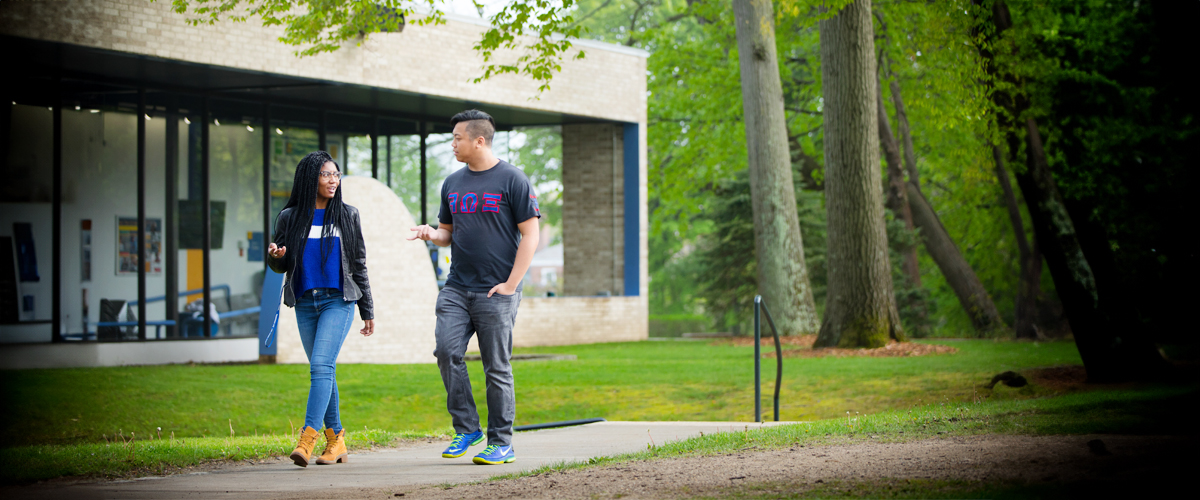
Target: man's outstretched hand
424, 232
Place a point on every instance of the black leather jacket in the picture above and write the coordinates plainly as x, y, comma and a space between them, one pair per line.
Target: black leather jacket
354, 265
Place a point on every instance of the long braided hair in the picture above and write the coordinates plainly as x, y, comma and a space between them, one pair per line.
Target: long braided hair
302, 203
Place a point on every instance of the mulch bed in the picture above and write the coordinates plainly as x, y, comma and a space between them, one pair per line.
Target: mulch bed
892, 350
1059, 378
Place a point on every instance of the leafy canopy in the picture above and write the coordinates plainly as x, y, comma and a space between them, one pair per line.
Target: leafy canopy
319, 26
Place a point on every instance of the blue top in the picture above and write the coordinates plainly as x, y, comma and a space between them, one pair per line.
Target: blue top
312, 272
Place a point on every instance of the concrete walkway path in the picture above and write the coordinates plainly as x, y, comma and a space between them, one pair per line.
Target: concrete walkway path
400, 470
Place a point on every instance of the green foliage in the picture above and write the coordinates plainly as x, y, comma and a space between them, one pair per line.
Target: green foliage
728, 277
321, 25
545, 20
539, 155
326, 25
675, 325
911, 299
1117, 110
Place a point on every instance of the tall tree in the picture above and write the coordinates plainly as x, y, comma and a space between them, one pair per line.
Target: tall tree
897, 196
1031, 257
1110, 351
906, 198
778, 246
860, 305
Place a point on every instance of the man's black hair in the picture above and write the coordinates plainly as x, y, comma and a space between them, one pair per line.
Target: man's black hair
479, 124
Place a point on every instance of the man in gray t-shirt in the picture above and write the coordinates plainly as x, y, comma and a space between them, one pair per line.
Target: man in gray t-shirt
489, 217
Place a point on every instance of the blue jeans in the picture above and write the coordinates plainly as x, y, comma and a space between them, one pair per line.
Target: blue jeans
324, 319
461, 314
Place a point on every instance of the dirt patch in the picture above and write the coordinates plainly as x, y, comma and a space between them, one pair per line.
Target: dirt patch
802, 348
794, 340
972, 462
1058, 378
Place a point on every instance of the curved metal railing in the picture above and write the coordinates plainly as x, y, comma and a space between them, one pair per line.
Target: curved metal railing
761, 306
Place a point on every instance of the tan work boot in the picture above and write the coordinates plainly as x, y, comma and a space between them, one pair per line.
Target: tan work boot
335, 448
304, 449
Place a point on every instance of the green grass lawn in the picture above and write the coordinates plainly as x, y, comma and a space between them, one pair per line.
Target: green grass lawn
60, 419
622, 381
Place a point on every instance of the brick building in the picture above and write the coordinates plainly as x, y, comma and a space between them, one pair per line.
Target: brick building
121, 119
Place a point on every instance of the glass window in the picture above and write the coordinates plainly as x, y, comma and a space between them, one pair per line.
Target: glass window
235, 191
26, 226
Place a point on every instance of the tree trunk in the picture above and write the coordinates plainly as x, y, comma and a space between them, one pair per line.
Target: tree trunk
910, 158
778, 246
1030, 258
1110, 352
897, 199
959, 275
860, 308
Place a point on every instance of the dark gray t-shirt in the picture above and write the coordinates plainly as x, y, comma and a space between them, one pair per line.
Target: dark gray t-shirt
485, 208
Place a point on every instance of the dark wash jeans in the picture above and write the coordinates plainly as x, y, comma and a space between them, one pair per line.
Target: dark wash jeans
324, 317
461, 314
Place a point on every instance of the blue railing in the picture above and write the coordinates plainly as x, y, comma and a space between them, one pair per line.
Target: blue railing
158, 324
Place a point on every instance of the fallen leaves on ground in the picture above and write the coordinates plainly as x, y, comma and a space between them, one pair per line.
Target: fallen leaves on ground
892, 350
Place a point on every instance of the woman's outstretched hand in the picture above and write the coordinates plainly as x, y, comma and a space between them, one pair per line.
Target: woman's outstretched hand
276, 252
368, 327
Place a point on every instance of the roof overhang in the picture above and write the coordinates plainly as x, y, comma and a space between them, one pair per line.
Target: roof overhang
46, 73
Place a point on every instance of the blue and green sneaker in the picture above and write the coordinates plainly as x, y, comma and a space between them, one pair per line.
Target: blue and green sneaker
458, 447
495, 455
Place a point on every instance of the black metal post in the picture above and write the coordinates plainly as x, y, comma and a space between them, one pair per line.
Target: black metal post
206, 215
760, 306
141, 213
757, 360
56, 228
170, 219
388, 140
374, 147
778, 357
321, 131
266, 185
424, 216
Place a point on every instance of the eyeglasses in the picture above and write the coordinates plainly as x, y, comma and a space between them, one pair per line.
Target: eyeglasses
326, 174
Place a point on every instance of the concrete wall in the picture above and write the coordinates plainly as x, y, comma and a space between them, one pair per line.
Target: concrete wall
543, 321
609, 83
91, 354
593, 210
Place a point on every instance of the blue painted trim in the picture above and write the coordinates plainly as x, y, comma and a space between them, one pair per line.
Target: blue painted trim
633, 214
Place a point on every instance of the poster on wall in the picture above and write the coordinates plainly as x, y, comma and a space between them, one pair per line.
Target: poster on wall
127, 259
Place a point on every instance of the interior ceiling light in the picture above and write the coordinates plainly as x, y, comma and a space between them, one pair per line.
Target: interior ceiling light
249, 128
147, 116
94, 111
278, 131
76, 108
187, 121
216, 121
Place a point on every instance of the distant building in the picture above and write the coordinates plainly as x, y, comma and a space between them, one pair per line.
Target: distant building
545, 272
119, 119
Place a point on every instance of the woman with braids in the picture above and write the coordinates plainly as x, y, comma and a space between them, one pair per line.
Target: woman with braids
318, 243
